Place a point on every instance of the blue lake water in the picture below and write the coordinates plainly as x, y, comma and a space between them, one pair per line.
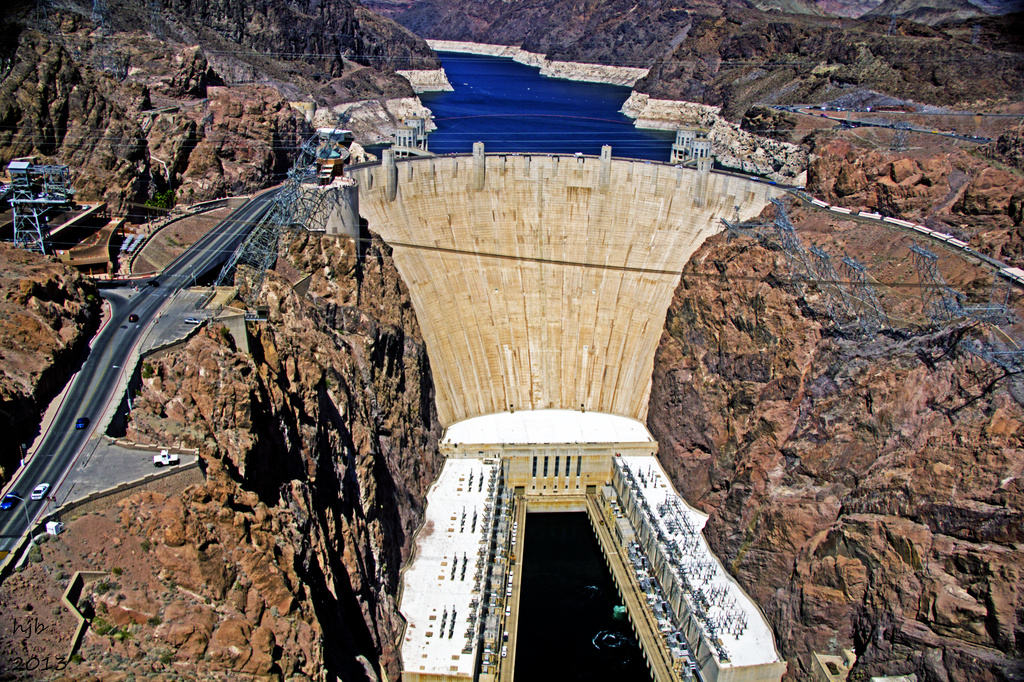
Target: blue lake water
510, 107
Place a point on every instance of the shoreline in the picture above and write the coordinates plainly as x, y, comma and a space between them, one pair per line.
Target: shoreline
734, 148
625, 76
427, 80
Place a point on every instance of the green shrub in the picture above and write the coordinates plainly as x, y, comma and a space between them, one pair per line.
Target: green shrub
101, 627
164, 200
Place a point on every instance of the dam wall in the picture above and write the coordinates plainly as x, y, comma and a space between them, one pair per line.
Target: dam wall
542, 281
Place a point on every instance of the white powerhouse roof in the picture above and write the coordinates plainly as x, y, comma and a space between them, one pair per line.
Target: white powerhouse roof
432, 599
752, 645
547, 426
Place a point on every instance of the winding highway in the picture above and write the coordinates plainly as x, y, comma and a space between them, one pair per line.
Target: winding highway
95, 386
842, 116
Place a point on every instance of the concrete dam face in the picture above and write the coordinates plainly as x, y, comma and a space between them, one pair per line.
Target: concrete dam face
542, 282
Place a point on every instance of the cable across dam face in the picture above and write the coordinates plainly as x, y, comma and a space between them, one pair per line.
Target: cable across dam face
542, 281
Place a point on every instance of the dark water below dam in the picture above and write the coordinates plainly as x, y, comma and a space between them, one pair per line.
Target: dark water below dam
571, 622
510, 107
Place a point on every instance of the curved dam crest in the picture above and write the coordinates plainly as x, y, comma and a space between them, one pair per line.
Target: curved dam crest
542, 282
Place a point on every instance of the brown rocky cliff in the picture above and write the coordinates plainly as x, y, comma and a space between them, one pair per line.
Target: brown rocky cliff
865, 491
951, 191
74, 94
732, 55
318, 451
48, 313
1009, 149
324, 34
51, 106
62, 110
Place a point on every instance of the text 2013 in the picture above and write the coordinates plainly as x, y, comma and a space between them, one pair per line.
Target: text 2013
35, 663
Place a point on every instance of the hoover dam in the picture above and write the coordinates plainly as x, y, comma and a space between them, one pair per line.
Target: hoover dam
541, 284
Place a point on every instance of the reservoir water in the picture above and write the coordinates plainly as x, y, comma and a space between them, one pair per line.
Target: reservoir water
510, 107
571, 622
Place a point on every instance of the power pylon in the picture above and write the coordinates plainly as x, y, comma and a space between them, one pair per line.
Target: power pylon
100, 15
899, 139
837, 303
941, 302
863, 299
301, 203
790, 243
36, 191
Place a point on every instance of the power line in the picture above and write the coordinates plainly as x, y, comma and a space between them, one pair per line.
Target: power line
709, 275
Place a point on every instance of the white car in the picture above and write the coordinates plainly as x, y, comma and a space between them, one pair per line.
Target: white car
504, 651
40, 491
193, 320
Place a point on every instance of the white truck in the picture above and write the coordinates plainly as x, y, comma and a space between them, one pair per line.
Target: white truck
165, 459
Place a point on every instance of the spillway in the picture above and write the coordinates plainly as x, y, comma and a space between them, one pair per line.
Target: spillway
541, 281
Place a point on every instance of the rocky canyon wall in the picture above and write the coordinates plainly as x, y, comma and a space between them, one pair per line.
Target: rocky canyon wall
135, 105
48, 313
733, 55
865, 490
318, 449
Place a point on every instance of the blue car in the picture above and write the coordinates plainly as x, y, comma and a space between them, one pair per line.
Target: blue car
10, 499
82, 422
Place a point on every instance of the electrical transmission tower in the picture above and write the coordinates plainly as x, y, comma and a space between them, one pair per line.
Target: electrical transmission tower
155, 12
301, 203
899, 138
863, 299
837, 303
795, 255
848, 297
941, 302
741, 229
100, 14
36, 191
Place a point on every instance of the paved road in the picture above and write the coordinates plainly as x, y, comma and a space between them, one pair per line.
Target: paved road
94, 389
843, 117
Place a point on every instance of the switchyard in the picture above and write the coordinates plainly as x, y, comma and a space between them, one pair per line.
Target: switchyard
692, 620
453, 593
706, 619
